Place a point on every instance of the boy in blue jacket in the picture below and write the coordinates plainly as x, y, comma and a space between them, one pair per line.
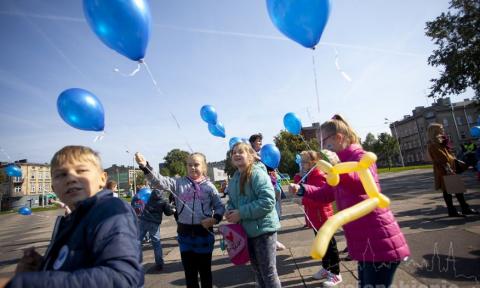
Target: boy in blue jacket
94, 246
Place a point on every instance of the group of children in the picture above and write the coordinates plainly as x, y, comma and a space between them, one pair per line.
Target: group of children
97, 244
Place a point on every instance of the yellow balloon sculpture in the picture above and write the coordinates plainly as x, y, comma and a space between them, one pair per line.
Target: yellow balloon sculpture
376, 199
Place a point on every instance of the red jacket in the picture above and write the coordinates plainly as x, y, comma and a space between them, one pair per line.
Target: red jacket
317, 211
376, 237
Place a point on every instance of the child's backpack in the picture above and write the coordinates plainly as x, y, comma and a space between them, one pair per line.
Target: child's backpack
138, 205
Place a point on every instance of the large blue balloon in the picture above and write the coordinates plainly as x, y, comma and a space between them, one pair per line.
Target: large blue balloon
302, 21
233, 141
270, 155
144, 194
25, 211
475, 131
292, 123
209, 114
13, 170
217, 129
123, 25
81, 109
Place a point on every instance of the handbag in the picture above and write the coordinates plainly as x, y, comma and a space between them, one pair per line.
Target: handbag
454, 184
235, 238
460, 166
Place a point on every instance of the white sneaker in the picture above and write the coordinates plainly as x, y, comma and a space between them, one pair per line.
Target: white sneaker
321, 274
332, 280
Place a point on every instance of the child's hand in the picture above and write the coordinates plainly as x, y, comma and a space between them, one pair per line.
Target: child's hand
233, 216
293, 188
30, 262
208, 222
4, 282
140, 159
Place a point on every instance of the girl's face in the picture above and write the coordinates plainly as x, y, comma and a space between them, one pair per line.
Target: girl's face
331, 141
307, 164
195, 167
241, 158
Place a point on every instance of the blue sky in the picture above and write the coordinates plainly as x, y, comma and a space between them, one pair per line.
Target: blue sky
220, 52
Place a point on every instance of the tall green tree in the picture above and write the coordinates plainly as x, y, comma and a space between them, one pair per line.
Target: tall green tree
457, 35
176, 162
387, 147
229, 168
290, 145
369, 142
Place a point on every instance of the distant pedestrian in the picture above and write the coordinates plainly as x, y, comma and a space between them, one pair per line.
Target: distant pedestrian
444, 164
113, 186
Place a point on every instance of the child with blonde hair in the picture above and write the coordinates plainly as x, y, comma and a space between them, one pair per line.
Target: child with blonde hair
375, 240
252, 204
199, 207
318, 212
95, 245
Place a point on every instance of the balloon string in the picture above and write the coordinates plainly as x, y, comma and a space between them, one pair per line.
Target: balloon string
99, 137
315, 78
166, 105
130, 74
337, 65
5, 153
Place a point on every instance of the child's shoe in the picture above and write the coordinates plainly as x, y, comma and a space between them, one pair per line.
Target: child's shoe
332, 280
321, 274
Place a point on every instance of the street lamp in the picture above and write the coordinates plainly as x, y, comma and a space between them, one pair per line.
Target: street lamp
396, 137
134, 175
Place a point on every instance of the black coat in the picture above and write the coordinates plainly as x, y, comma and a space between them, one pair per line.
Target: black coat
95, 246
156, 206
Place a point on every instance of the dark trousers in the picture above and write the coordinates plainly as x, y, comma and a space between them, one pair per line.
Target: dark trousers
376, 274
331, 260
449, 201
195, 263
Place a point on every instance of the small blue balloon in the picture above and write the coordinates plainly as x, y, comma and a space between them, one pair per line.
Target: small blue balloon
217, 129
25, 211
233, 141
209, 114
303, 21
292, 123
475, 131
298, 159
81, 109
13, 170
144, 194
270, 155
122, 25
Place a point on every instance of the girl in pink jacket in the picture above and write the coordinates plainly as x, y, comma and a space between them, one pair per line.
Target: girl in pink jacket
375, 240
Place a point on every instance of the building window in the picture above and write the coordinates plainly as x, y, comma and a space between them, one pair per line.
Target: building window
32, 187
18, 189
459, 120
445, 122
40, 188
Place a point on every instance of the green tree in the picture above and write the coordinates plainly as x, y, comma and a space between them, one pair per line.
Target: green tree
387, 147
290, 145
176, 162
457, 35
369, 142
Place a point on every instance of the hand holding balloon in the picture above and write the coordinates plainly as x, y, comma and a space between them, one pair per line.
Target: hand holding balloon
140, 159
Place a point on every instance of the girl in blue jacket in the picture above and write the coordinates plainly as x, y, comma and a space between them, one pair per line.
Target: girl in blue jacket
252, 204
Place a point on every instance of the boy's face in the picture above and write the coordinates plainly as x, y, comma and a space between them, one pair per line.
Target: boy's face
77, 180
257, 144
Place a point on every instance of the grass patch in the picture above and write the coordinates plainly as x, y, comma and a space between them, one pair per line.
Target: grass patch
398, 169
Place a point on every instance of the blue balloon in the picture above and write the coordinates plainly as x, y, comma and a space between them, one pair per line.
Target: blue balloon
292, 123
217, 129
270, 155
122, 25
302, 21
25, 211
81, 109
13, 170
209, 114
233, 141
144, 194
475, 131
298, 159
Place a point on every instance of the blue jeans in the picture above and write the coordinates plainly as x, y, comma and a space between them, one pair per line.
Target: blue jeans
376, 274
262, 250
153, 230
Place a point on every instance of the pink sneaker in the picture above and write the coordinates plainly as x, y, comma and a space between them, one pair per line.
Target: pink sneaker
332, 280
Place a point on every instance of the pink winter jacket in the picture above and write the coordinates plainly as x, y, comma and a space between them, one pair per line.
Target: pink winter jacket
376, 237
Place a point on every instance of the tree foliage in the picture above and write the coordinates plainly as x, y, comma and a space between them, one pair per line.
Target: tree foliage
457, 35
176, 162
229, 168
385, 147
290, 145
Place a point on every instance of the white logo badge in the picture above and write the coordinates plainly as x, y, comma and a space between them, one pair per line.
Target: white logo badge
62, 256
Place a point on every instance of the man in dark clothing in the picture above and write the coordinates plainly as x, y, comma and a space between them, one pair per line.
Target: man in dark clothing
150, 221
